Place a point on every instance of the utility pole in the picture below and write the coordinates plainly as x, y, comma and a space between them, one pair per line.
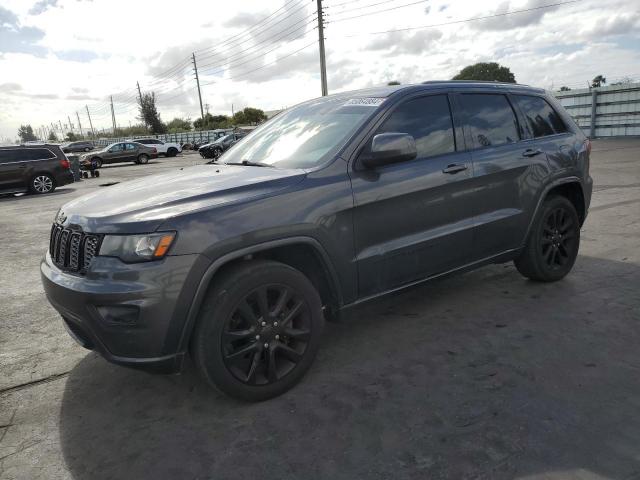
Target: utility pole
90, 122
139, 92
113, 116
232, 109
195, 69
79, 124
70, 124
61, 129
323, 62
206, 107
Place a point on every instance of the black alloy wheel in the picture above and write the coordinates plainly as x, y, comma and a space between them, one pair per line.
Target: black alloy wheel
553, 242
558, 239
258, 330
266, 335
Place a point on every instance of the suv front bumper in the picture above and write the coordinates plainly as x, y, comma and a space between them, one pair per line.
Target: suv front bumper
132, 314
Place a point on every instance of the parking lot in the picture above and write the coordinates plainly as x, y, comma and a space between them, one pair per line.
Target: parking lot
482, 375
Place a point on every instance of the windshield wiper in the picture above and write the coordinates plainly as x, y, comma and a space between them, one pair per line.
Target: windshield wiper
249, 163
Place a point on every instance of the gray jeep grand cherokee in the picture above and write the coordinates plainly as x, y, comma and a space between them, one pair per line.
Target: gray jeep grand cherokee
334, 202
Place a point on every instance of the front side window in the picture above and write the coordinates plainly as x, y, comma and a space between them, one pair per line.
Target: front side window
117, 147
489, 119
428, 120
542, 119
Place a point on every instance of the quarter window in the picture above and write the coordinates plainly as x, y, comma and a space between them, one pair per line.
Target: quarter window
490, 119
542, 119
428, 120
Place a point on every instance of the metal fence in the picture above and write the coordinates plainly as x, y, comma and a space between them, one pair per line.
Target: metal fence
611, 111
181, 138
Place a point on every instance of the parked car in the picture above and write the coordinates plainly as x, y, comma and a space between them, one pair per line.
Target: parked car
120, 152
35, 168
168, 149
82, 146
334, 202
217, 148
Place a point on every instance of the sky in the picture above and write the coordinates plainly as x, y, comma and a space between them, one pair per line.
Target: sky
58, 57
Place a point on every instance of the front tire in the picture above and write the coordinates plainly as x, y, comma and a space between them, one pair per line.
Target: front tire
97, 162
42, 183
258, 330
172, 152
143, 159
553, 242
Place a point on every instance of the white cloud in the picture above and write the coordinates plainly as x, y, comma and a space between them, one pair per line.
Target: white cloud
66, 54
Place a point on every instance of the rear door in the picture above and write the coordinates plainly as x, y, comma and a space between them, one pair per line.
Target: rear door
131, 151
506, 173
413, 219
12, 169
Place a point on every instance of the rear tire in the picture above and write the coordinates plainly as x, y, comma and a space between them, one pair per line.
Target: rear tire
258, 330
553, 242
143, 159
42, 183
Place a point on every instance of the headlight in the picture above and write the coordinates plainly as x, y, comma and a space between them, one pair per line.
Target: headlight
137, 248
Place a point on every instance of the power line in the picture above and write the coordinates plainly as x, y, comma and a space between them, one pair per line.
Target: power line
377, 11
472, 19
243, 74
245, 32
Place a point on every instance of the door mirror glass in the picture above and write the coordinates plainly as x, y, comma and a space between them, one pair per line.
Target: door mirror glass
387, 148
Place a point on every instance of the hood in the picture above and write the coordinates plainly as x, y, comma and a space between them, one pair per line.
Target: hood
141, 205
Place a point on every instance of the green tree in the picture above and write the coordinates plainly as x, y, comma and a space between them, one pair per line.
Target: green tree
564, 89
491, 71
149, 113
598, 81
179, 125
393, 82
212, 122
71, 137
52, 136
25, 132
249, 116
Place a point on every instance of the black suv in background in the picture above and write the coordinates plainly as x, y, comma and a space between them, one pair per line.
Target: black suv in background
82, 146
38, 168
221, 145
331, 203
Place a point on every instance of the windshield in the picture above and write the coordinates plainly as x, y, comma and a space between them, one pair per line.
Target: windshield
223, 139
305, 136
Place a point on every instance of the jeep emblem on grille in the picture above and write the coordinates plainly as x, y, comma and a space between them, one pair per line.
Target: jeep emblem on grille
61, 217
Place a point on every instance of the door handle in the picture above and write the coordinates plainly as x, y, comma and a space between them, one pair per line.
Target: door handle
530, 152
454, 168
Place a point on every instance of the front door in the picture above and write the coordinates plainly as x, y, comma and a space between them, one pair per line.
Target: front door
413, 219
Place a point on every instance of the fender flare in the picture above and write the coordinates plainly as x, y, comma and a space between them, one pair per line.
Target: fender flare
550, 186
213, 268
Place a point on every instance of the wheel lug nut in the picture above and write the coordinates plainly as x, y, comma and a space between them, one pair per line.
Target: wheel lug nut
266, 345
257, 337
277, 337
275, 324
264, 324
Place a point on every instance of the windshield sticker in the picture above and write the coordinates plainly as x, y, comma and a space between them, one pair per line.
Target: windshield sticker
367, 101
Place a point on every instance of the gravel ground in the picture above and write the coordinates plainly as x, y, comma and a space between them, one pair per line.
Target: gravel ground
482, 375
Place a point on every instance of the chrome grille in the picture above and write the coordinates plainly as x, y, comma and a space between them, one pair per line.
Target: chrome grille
72, 250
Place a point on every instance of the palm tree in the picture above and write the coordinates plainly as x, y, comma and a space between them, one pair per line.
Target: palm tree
598, 81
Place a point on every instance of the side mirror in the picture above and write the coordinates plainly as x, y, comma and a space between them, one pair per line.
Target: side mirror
388, 148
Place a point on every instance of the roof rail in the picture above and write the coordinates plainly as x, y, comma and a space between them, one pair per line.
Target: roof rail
490, 82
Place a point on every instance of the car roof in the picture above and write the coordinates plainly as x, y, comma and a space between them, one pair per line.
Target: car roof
35, 145
388, 90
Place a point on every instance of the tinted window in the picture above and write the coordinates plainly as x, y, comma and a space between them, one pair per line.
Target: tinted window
490, 119
130, 146
541, 118
24, 154
144, 142
117, 147
428, 120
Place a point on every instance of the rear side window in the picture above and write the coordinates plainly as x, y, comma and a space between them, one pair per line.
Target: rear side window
144, 142
428, 120
130, 146
489, 119
541, 118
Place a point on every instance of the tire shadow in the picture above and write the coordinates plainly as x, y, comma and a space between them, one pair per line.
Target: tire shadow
479, 375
